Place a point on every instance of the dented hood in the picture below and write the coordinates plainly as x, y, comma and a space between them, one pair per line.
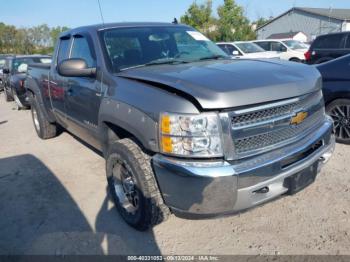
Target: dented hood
219, 84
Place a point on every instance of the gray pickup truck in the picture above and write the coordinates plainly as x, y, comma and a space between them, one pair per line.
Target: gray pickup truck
184, 129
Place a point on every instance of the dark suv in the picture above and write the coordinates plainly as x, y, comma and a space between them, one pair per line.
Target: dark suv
15, 73
328, 47
2, 65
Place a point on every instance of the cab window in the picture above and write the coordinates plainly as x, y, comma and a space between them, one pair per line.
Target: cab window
82, 50
63, 51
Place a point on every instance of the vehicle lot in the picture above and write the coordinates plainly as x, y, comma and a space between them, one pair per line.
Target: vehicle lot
53, 201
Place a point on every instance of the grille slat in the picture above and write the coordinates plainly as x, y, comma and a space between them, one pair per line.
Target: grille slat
271, 137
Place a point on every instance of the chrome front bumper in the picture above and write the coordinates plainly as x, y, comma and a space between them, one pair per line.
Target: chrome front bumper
205, 189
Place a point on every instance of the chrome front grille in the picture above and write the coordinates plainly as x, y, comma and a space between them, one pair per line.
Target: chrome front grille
263, 115
263, 128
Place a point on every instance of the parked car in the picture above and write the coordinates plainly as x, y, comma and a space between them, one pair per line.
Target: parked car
15, 73
336, 90
191, 132
2, 64
288, 49
328, 47
240, 49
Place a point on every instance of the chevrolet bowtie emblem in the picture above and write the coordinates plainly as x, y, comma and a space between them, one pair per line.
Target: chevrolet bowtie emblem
298, 118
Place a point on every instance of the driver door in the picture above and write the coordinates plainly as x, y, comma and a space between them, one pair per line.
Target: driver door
83, 96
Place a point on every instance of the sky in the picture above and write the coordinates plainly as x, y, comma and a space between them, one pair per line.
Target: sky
73, 13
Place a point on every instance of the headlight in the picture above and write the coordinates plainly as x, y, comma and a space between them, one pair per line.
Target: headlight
190, 135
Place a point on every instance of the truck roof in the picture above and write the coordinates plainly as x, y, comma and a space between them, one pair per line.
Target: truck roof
100, 27
27, 56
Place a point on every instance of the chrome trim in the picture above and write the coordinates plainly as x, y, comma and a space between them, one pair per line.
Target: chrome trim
244, 134
246, 197
227, 142
267, 106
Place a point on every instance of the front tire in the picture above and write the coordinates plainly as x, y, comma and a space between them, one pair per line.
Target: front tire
43, 127
339, 110
133, 186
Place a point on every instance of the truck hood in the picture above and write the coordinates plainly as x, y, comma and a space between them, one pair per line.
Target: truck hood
223, 84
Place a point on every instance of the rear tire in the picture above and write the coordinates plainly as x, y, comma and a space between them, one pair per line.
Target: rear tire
8, 97
43, 127
18, 102
133, 186
297, 60
339, 110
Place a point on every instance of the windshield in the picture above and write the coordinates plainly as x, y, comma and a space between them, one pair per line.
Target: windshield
142, 46
2, 63
293, 44
21, 64
248, 48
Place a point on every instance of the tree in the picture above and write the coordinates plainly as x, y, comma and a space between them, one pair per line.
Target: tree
200, 17
55, 32
261, 21
232, 24
39, 39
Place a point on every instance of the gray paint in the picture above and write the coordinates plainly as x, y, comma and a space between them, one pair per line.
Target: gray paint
134, 99
297, 20
230, 83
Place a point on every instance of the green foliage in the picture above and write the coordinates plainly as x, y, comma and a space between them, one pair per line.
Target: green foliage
231, 24
200, 17
261, 21
35, 40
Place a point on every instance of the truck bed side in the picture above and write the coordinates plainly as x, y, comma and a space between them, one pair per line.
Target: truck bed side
37, 84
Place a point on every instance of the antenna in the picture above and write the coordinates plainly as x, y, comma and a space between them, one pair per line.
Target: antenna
99, 5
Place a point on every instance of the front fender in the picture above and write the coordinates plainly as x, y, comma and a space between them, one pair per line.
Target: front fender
134, 121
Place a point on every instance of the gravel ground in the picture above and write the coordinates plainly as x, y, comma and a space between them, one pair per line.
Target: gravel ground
53, 201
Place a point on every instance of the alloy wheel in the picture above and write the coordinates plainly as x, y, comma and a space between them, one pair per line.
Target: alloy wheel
341, 117
125, 187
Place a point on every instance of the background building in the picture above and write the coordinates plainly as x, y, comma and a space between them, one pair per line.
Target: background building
310, 21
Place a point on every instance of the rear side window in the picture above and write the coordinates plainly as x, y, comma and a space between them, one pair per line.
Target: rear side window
81, 49
231, 48
348, 42
264, 45
224, 48
276, 46
63, 51
330, 41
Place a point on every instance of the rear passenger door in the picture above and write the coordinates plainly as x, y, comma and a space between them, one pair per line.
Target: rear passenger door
83, 96
264, 45
329, 46
54, 91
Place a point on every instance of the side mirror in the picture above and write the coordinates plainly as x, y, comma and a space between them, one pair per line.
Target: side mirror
75, 67
5, 71
235, 52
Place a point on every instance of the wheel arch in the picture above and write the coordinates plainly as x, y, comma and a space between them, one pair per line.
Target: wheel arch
33, 90
119, 120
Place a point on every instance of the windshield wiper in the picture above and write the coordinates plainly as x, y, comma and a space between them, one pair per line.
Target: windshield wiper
214, 57
169, 61
157, 62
